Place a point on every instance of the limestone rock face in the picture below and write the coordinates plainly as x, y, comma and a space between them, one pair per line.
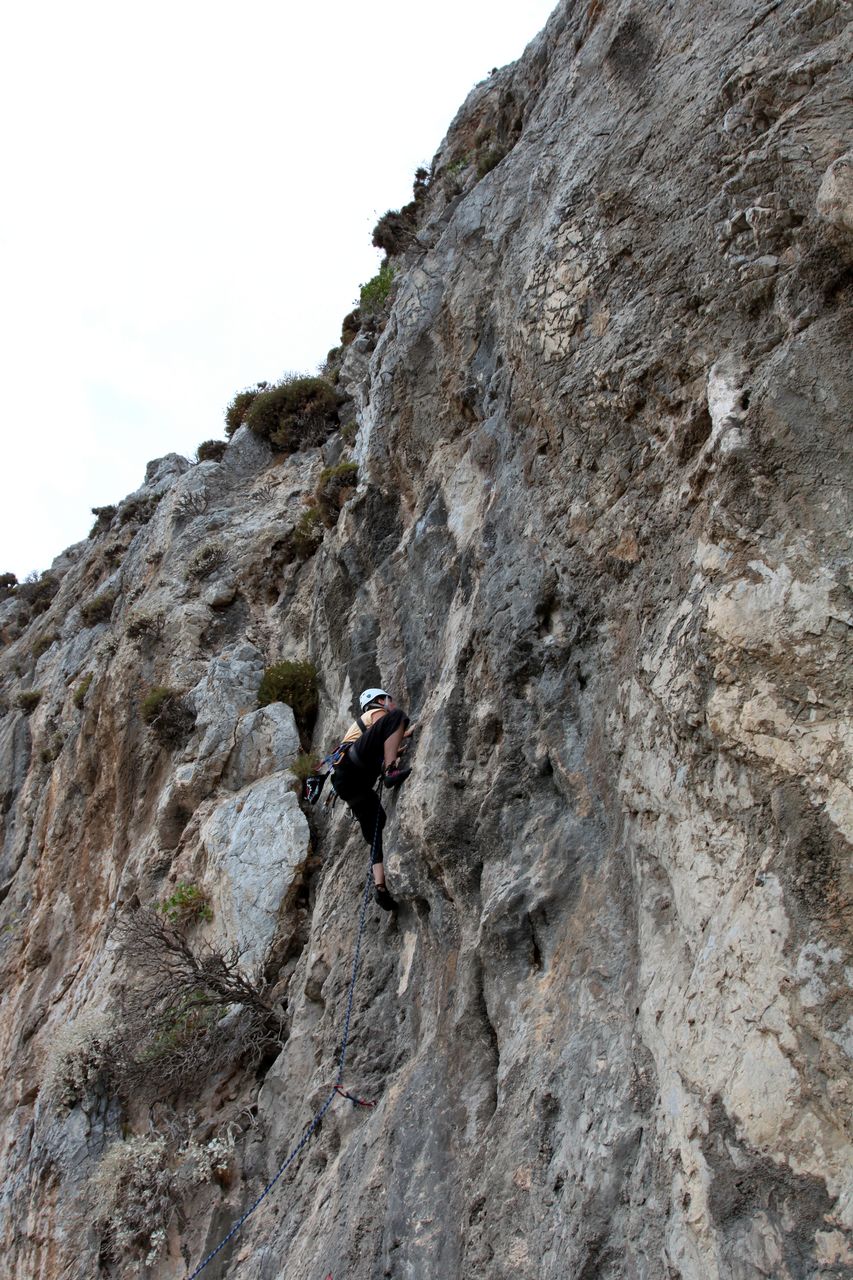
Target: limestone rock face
256, 844
599, 548
835, 197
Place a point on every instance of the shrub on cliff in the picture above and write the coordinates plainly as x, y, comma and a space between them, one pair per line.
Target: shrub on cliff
335, 485
145, 624
211, 450
489, 158
455, 167
303, 766
168, 715
81, 690
134, 1190
294, 683
81, 1060
103, 520
210, 1161
297, 413
8, 582
29, 700
395, 230
207, 558
43, 643
132, 1200
374, 295
37, 591
308, 532
350, 327
52, 750
98, 609
188, 905
330, 369
139, 510
235, 414
174, 1008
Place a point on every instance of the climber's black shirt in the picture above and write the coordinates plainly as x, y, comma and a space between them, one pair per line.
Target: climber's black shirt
362, 764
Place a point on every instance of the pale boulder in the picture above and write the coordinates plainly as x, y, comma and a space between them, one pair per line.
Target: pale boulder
256, 843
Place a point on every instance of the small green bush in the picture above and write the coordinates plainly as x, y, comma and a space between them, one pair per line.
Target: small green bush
395, 230
308, 533
98, 609
333, 488
350, 327
53, 749
456, 166
145, 624
183, 1027
235, 414
103, 520
168, 715
304, 765
187, 905
208, 557
43, 643
294, 683
114, 550
488, 159
37, 591
330, 369
153, 701
29, 700
211, 450
349, 431
80, 1060
374, 295
297, 413
8, 582
139, 510
81, 690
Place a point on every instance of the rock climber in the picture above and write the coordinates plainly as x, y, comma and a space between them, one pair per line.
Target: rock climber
376, 739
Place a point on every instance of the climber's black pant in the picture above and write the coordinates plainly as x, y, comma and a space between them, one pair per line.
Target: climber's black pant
366, 808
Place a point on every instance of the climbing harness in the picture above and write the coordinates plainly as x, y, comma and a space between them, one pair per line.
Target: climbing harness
337, 1090
315, 782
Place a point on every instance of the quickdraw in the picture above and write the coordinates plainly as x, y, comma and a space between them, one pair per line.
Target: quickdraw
313, 785
356, 1102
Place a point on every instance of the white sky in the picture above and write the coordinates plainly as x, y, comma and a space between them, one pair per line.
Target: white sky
190, 191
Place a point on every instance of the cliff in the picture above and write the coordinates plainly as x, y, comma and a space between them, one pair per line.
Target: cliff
598, 545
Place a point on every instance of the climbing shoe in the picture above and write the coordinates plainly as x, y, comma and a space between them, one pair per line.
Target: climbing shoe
383, 898
393, 777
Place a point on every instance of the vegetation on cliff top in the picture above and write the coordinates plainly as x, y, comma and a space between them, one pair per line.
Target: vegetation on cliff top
297, 412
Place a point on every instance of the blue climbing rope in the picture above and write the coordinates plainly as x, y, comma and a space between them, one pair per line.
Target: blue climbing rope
337, 1088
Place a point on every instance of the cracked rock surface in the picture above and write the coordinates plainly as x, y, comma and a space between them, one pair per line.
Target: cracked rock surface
599, 548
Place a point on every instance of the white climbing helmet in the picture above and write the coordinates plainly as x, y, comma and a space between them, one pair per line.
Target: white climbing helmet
370, 695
